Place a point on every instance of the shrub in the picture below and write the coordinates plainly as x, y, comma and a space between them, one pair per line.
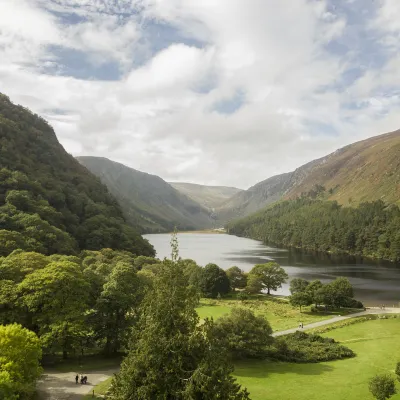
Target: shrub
308, 348
382, 386
244, 334
242, 296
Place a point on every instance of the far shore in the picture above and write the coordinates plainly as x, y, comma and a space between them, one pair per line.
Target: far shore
214, 231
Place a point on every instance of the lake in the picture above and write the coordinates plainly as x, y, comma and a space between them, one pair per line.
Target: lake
374, 282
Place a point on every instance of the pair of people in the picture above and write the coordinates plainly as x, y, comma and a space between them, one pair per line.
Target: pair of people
82, 379
301, 325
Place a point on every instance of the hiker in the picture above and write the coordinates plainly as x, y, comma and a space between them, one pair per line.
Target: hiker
81, 378
302, 326
85, 379
76, 378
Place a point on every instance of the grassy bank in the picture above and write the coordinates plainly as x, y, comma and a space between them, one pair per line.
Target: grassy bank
278, 311
376, 344
99, 390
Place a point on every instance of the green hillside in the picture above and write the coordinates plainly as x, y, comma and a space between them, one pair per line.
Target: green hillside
147, 200
371, 229
48, 202
364, 171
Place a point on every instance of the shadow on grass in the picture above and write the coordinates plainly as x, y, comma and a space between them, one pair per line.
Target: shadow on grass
261, 369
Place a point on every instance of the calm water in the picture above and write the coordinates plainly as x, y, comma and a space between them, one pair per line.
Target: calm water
375, 283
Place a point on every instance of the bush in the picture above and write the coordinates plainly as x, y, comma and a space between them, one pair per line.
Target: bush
244, 334
305, 348
382, 386
242, 296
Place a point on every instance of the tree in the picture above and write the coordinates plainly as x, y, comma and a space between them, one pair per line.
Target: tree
56, 297
382, 386
237, 278
338, 292
312, 290
244, 334
20, 353
298, 285
254, 284
271, 275
214, 281
300, 299
116, 306
171, 355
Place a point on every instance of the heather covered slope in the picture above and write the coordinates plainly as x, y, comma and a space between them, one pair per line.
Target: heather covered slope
364, 171
48, 202
147, 200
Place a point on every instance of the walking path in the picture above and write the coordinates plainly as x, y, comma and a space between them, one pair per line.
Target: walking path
371, 310
55, 385
61, 385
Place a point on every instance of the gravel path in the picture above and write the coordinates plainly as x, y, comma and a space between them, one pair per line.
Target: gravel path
339, 318
55, 385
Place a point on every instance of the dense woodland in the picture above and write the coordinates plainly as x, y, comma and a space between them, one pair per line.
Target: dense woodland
49, 203
371, 229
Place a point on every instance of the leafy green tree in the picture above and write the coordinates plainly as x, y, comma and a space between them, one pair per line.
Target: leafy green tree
20, 353
237, 278
254, 284
271, 275
171, 355
244, 334
213, 281
56, 297
116, 307
300, 299
382, 386
312, 290
298, 285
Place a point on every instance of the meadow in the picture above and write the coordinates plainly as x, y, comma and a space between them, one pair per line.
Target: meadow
278, 311
376, 344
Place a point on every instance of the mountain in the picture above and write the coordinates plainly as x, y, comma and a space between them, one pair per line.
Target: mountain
253, 199
363, 171
147, 200
208, 196
48, 201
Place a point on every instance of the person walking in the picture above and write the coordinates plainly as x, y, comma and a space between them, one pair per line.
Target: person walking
76, 378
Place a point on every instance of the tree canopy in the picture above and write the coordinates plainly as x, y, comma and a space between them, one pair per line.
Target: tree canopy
269, 276
49, 203
371, 229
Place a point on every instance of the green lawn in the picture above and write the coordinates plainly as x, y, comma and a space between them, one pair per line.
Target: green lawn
279, 313
376, 343
99, 389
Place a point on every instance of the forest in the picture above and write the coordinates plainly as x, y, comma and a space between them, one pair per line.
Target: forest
371, 230
49, 203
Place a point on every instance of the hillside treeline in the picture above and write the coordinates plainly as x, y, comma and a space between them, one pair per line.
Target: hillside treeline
49, 203
371, 229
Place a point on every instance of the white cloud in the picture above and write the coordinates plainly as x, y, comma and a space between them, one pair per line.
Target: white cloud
161, 117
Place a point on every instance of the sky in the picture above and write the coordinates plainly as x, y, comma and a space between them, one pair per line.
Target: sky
217, 92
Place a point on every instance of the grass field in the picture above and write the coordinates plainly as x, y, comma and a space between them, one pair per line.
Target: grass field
279, 313
376, 343
99, 390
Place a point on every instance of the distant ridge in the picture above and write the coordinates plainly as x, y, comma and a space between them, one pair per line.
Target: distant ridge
147, 200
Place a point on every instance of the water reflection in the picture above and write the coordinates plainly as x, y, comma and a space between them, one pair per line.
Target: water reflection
375, 282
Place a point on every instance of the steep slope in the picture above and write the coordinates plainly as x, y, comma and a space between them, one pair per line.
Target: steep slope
146, 199
208, 196
364, 171
48, 201
255, 198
